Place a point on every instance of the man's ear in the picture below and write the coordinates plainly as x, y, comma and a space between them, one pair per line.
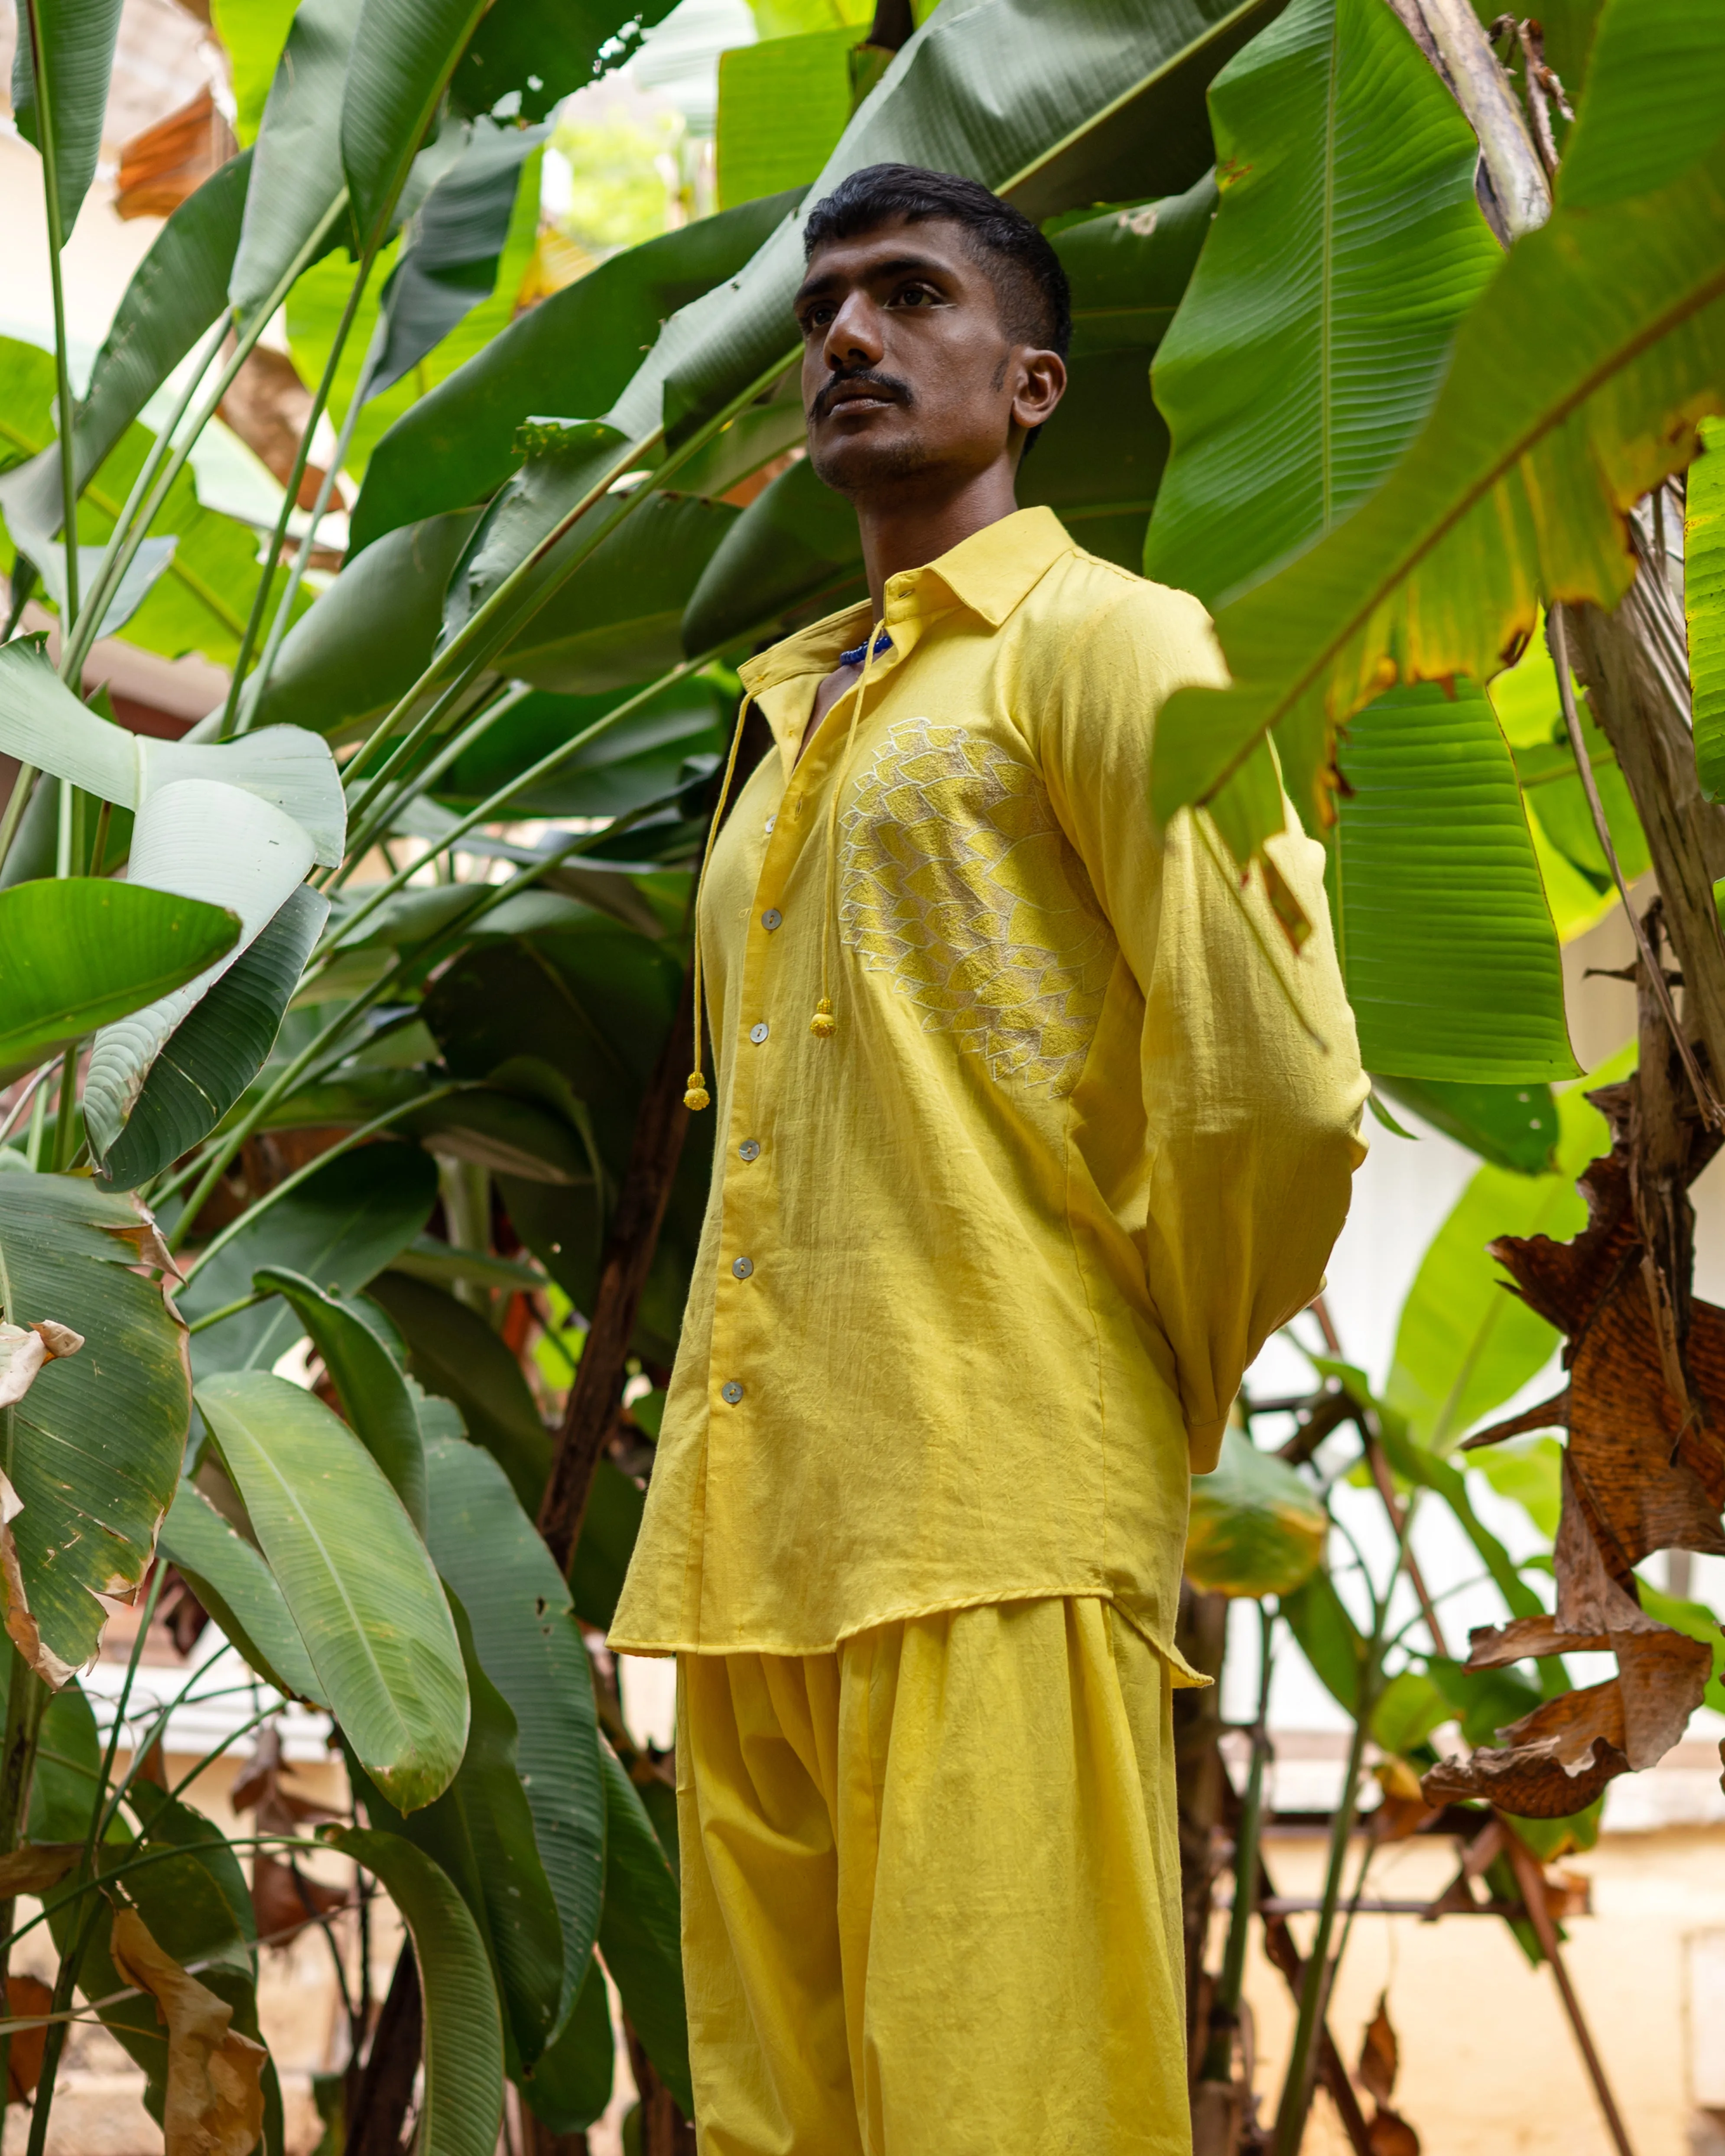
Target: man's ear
1042, 383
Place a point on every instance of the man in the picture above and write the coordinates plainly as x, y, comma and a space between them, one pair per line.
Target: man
1030, 1127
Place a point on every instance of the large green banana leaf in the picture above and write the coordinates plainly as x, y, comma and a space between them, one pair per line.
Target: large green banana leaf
236, 1586
296, 162
455, 1354
573, 353
356, 1579
524, 1626
1347, 248
1704, 606
457, 240
176, 293
640, 1934
462, 2108
362, 1354
82, 952
214, 1053
480, 1834
93, 1449
193, 600
59, 106
1446, 944
404, 52
1578, 380
367, 640
1108, 108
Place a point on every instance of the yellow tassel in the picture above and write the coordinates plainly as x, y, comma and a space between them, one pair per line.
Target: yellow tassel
697, 1096
822, 1023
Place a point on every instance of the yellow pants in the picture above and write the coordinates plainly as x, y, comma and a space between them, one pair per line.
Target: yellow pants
932, 1892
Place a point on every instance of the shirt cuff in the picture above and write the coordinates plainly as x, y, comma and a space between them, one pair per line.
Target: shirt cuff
1204, 1444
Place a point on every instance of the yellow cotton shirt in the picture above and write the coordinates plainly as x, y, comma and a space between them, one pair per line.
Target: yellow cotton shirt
981, 1272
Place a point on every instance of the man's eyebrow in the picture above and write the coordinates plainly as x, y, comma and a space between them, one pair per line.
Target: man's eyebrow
899, 264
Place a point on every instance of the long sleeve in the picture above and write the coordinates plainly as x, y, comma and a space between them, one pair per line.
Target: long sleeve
1252, 1087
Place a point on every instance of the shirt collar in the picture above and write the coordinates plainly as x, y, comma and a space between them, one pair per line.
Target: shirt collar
988, 573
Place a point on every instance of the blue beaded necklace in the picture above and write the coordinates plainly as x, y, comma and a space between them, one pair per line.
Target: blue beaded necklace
883, 642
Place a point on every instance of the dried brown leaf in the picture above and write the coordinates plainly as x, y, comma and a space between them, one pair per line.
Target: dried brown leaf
1380, 2054
1389, 2134
1529, 1780
214, 2104
167, 163
25, 1995
284, 1901
35, 1869
1663, 1675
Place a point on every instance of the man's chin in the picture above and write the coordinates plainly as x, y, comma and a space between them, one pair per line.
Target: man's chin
858, 464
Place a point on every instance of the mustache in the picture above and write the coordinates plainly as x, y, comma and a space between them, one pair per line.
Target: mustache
889, 385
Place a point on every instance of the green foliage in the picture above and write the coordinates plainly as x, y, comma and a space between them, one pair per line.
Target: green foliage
218, 1047
1446, 941
362, 1357
573, 353
1512, 1126
232, 1579
639, 1931
1346, 247
93, 1449
1704, 605
81, 952
1578, 378
339, 1228
1255, 1526
479, 1832
462, 2107
455, 1353
487, 1548
60, 110
357, 1579
783, 105
1464, 1344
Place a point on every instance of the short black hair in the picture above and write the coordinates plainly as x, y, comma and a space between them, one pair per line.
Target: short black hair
1035, 300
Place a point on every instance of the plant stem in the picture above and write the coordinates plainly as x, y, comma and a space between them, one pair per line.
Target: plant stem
122, 546
1225, 2008
290, 497
75, 650
48, 144
27, 1696
327, 487
319, 1052
16, 804
1314, 1990
290, 1183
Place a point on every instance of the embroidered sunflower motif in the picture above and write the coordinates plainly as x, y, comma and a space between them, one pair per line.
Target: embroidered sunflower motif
955, 878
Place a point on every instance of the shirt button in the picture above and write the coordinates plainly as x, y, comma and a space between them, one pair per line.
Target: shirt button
742, 1267
750, 1149
758, 1033
771, 918
771, 821
731, 1393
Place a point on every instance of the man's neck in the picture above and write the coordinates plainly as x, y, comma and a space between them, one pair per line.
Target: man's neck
902, 529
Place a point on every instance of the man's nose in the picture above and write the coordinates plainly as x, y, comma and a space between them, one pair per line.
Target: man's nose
852, 337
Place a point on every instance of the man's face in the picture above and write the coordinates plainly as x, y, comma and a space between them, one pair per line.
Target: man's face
907, 372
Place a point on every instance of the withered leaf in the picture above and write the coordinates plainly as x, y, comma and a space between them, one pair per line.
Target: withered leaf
284, 1901
214, 2104
1389, 2134
26, 1995
35, 1869
1529, 1781
1380, 2054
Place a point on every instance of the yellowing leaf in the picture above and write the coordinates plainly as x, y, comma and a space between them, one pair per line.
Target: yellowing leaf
215, 2094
